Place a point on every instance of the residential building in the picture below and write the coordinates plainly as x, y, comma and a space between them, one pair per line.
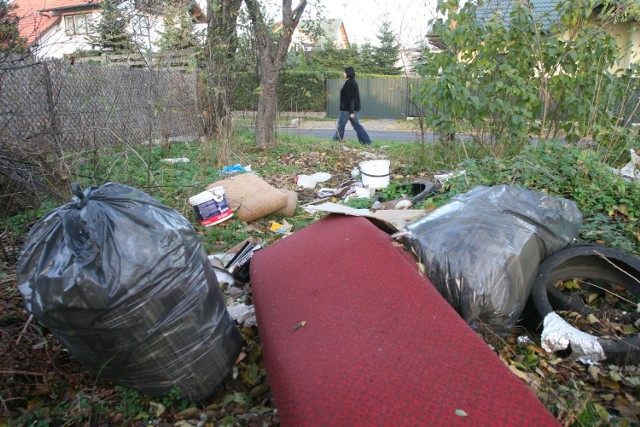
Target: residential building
310, 35
55, 28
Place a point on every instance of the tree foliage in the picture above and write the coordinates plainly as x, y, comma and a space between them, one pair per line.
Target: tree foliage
385, 57
179, 30
366, 58
111, 30
10, 40
502, 80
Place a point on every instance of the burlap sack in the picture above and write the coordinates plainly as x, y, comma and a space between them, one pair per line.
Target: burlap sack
292, 203
250, 197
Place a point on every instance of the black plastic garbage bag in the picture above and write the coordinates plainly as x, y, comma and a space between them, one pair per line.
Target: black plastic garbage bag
125, 284
482, 249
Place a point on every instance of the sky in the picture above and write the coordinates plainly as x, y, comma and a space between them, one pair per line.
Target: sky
362, 18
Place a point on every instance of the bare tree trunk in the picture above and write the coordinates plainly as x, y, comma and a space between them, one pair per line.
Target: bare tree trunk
222, 41
267, 103
272, 57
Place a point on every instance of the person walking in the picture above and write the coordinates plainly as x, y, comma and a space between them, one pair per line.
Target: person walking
349, 107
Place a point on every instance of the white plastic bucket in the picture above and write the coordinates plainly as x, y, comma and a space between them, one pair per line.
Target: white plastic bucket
375, 173
211, 206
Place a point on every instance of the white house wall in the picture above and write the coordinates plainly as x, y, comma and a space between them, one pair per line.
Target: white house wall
55, 43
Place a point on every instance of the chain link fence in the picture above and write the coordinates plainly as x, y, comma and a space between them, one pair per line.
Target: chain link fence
54, 110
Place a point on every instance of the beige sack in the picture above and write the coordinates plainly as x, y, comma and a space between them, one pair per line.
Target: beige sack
292, 203
250, 197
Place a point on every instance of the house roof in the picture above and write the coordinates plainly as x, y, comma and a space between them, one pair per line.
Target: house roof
330, 28
37, 16
543, 10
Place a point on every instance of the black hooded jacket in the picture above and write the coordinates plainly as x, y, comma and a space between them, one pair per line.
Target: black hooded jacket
349, 94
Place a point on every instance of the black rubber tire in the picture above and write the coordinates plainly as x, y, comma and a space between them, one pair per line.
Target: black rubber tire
586, 261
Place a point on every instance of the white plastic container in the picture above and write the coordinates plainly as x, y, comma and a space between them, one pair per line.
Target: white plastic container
211, 206
375, 173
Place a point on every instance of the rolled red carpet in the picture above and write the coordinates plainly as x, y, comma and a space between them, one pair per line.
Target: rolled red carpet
353, 335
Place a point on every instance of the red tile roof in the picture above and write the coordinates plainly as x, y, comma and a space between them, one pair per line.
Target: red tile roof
35, 16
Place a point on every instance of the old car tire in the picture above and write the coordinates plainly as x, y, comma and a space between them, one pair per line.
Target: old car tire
593, 262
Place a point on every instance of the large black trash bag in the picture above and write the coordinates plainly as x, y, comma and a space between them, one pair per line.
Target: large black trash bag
483, 248
125, 284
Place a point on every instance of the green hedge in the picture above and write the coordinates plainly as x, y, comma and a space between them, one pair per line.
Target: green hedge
297, 90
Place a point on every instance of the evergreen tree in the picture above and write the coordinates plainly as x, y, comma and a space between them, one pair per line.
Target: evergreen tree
330, 58
367, 58
387, 54
112, 29
10, 40
179, 30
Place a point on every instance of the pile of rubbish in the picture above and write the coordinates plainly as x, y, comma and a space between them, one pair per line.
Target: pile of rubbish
125, 284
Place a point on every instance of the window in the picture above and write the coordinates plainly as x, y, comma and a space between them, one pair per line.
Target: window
76, 24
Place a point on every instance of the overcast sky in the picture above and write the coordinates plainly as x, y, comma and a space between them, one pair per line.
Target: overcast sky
362, 18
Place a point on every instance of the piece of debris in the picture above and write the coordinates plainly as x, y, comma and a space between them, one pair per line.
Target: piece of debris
630, 171
176, 160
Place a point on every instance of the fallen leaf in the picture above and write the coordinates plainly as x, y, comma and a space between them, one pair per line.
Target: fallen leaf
592, 319
300, 325
595, 372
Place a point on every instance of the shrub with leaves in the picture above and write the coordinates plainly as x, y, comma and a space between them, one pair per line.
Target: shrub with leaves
508, 76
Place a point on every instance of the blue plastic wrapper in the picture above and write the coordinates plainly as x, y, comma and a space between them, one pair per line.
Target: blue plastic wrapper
125, 284
483, 248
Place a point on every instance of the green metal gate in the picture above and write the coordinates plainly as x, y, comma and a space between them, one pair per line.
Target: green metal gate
379, 98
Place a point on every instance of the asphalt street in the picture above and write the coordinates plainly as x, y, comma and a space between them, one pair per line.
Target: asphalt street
350, 135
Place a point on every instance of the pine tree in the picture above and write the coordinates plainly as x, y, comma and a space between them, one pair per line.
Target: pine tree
112, 29
387, 54
367, 58
179, 30
10, 40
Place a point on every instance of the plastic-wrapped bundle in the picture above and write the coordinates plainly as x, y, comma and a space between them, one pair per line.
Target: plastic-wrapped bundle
482, 249
125, 284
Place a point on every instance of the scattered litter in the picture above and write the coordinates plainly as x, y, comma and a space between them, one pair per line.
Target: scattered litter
250, 197
630, 171
240, 260
234, 169
394, 220
360, 193
278, 228
306, 181
523, 339
375, 173
557, 334
402, 203
446, 176
211, 206
345, 189
244, 314
321, 176
300, 325
176, 160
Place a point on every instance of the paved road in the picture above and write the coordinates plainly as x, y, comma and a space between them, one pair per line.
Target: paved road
350, 135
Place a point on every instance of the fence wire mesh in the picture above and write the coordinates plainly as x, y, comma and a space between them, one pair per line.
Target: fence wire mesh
50, 110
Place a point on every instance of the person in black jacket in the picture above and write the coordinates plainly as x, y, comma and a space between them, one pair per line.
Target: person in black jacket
349, 107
